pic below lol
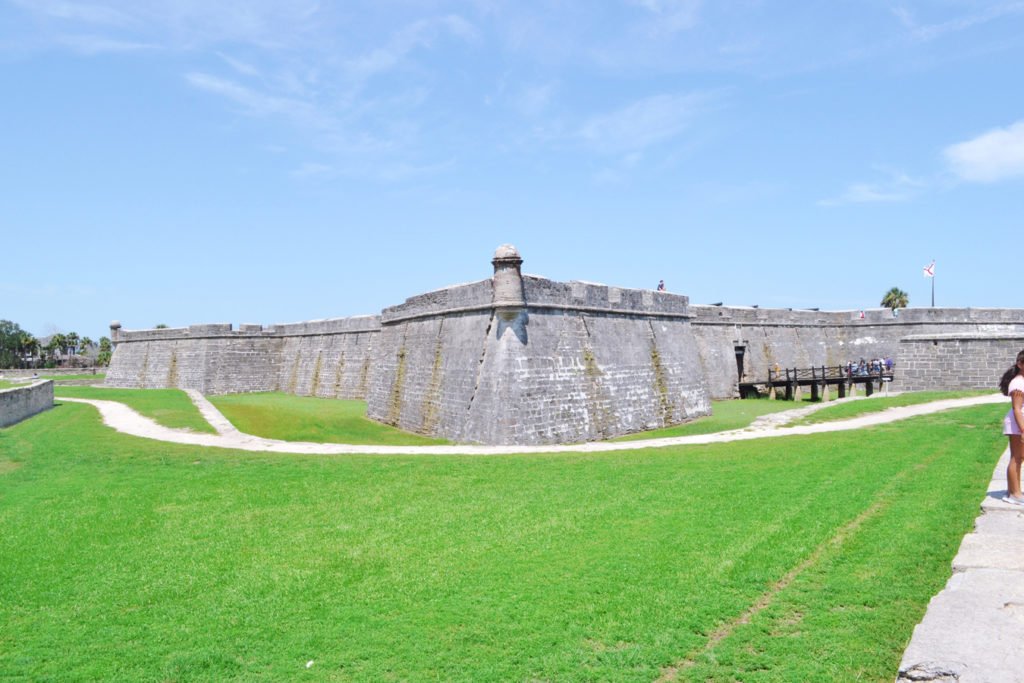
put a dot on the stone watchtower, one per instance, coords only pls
(509, 301)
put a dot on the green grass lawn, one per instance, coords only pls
(303, 418)
(99, 377)
(169, 407)
(847, 409)
(725, 415)
(128, 559)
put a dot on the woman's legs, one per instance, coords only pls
(1013, 469)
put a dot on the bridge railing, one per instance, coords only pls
(825, 373)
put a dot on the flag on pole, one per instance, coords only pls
(929, 270)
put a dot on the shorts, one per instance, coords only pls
(1010, 425)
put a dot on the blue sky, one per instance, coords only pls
(250, 161)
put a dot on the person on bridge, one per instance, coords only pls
(1012, 385)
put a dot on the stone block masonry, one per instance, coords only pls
(519, 359)
(20, 403)
(560, 362)
(957, 361)
(326, 358)
(798, 338)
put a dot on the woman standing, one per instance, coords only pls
(1012, 385)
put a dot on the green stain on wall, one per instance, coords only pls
(172, 372)
(595, 406)
(432, 403)
(145, 368)
(315, 388)
(339, 372)
(661, 386)
(293, 379)
(395, 399)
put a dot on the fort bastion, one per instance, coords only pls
(520, 359)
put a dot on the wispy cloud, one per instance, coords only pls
(644, 122)
(93, 45)
(262, 104)
(926, 32)
(898, 187)
(238, 65)
(995, 155)
(312, 170)
(77, 11)
(421, 33)
(672, 16)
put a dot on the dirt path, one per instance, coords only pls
(122, 418)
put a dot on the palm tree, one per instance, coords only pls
(71, 340)
(84, 345)
(27, 348)
(895, 298)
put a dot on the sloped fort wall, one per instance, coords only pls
(325, 358)
(525, 360)
(576, 362)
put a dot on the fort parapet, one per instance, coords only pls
(520, 359)
(325, 358)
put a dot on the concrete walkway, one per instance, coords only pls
(972, 630)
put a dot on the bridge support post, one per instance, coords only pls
(798, 394)
(869, 387)
(842, 389)
(824, 393)
(771, 392)
(789, 391)
(815, 394)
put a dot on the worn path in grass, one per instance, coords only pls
(125, 420)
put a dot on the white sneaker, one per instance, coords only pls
(1013, 501)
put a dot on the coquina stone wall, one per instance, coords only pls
(22, 402)
(957, 361)
(326, 358)
(526, 360)
(578, 362)
(795, 338)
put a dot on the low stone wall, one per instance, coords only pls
(23, 402)
(956, 361)
(8, 373)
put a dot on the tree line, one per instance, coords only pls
(21, 349)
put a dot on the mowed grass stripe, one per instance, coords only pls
(124, 558)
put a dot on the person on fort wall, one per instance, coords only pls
(661, 285)
(1012, 385)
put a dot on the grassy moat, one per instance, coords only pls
(129, 559)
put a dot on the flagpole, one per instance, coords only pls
(933, 291)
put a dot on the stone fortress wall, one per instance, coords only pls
(569, 362)
(803, 338)
(325, 358)
(524, 360)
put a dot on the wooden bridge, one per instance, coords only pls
(819, 379)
